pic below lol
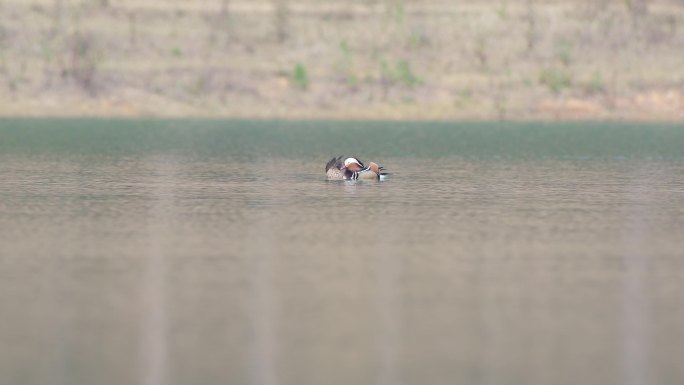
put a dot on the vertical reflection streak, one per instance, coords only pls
(262, 347)
(154, 344)
(154, 323)
(389, 311)
(261, 255)
(635, 349)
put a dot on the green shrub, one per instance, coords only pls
(401, 73)
(396, 10)
(300, 78)
(556, 79)
(405, 75)
(596, 84)
(502, 11)
(564, 53)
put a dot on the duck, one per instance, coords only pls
(341, 168)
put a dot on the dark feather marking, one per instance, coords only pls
(330, 164)
(336, 162)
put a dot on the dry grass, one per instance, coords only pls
(581, 59)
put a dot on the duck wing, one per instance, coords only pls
(337, 163)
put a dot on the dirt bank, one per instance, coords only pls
(367, 59)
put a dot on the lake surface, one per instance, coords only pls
(210, 252)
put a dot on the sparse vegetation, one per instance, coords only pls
(515, 59)
(346, 66)
(564, 53)
(132, 29)
(84, 61)
(405, 75)
(531, 26)
(502, 10)
(557, 79)
(3, 49)
(399, 74)
(396, 10)
(481, 51)
(300, 77)
(596, 84)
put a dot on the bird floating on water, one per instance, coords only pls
(341, 168)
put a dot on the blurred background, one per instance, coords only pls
(378, 59)
(165, 216)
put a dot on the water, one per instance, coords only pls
(209, 252)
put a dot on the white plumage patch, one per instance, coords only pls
(349, 161)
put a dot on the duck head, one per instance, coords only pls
(353, 164)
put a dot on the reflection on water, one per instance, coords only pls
(209, 259)
(636, 349)
(155, 326)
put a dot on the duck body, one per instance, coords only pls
(341, 168)
(335, 169)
